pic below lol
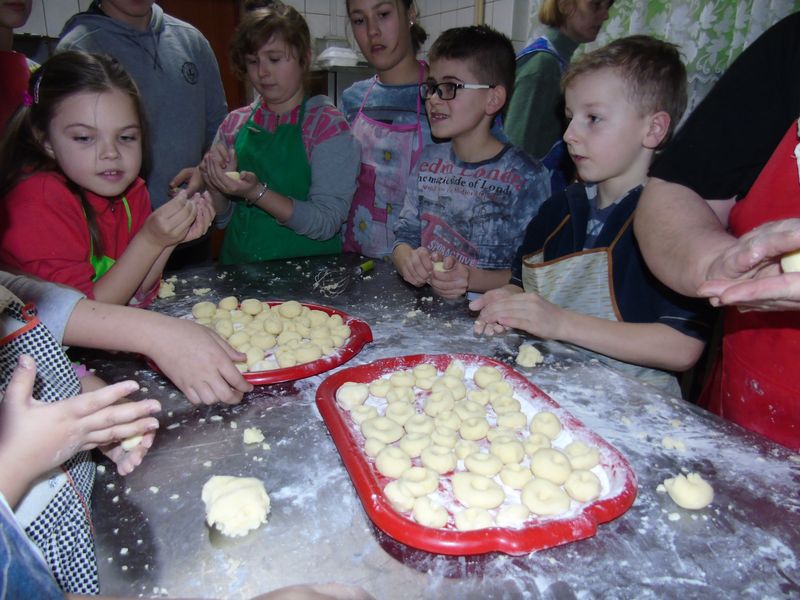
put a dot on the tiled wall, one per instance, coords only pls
(329, 18)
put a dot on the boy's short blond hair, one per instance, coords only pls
(652, 70)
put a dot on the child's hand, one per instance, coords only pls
(204, 218)
(38, 436)
(191, 178)
(415, 265)
(453, 280)
(168, 225)
(128, 460)
(218, 163)
(528, 312)
(487, 305)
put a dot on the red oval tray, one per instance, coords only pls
(360, 335)
(369, 483)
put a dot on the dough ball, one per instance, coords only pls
(513, 515)
(130, 443)
(474, 428)
(251, 306)
(308, 353)
(392, 462)
(319, 333)
(438, 458)
(455, 385)
(449, 419)
(265, 341)
(424, 371)
(515, 475)
(419, 424)
(456, 369)
(439, 402)
(690, 491)
(512, 420)
(472, 519)
(372, 447)
(419, 481)
(351, 394)
(398, 497)
(403, 395)
(290, 309)
(240, 318)
(547, 423)
(583, 486)
(477, 491)
(288, 336)
(500, 432)
(229, 303)
(485, 375)
(204, 310)
(545, 498)
(484, 464)
(338, 341)
(362, 412)
(302, 329)
(318, 318)
(272, 325)
(444, 437)
(424, 383)
(254, 355)
(467, 409)
(285, 358)
(413, 443)
(235, 175)
(535, 441)
(428, 513)
(438, 266)
(479, 396)
(235, 505)
(581, 456)
(379, 388)
(239, 338)
(464, 448)
(790, 262)
(506, 404)
(224, 327)
(497, 389)
(399, 412)
(507, 449)
(382, 429)
(340, 331)
(252, 435)
(529, 356)
(334, 320)
(550, 464)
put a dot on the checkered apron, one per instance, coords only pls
(55, 512)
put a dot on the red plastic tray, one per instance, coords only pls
(546, 533)
(360, 335)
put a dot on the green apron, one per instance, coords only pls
(279, 160)
(102, 264)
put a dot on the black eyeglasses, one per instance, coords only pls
(447, 89)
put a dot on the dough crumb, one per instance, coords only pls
(153, 489)
(201, 291)
(671, 443)
(529, 356)
(166, 289)
(215, 418)
(673, 516)
(101, 469)
(252, 435)
(207, 463)
(234, 425)
(675, 423)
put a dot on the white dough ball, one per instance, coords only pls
(690, 491)
(251, 306)
(400, 412)
(472, 519)
(224, 327)
(413, 443)
(545, 498)
(398, 497)
(529, 356)
(392, 462)
(547, 423)
(477, 491)
(428, 513)
(204, 310)
(550, 464)
(485, 375)
(583, 486)
(513, 515)
(419, 481)
(418, 423)
(515, 475)
(290, 309)
(351, 394)
(229, 303)
(379, 388)
(362, 412)
(484, 464)
(373, 446)
(582, 456)
(438, 458)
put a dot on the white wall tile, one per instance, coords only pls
(36, 24)
(319, 25)
(503, 16)
(342, 27)
(465, 3)
(341, 8)
(298, 5)
(465, 16)
(84, 4)
(430, 7)
(519, 29)
(449, 20)
(448, 5)
(488, 11)
(57, 12)
(318, 7)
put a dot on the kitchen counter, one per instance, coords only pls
(152, 538)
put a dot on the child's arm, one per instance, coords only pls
(415, 265)
(38, 436)
(649, 344)
(197, 360)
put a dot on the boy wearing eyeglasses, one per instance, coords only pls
(579, 276)
(469, 199)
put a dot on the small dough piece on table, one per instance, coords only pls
(130, 443)
(477, 491)
(252, 435)
(428, 513)
(512, 420)
(485, 375)
(402, 379)
(166, 289)
(351, 394)
(290, 309)
(464, 448)
(444, 436)
(229, 303)
(419, 424)
(581, 456)
(690, 491)
(529, 356)
(372, 447)
(235, 505)
(515, 475)
(535, 441)
(204, 310)
(583, 486)
(398, 497)
(547, 423)
(449, 419)
(399, 412)
(251, 306)
(513, 515)
(474, 428)
(472, 519)
(790, 262)
(380, 387)
(413, 443)
(550, 464)
(438, 266)
(419, 481)
(439, 459)
(382, 429)
(507, 449)
(545, 498)
(392, 462)
(361, 413)
(484, 464)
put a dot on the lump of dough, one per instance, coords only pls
(285, 357)
(372, 447)
(361, 413)
(307, 353)
(438, 266)
(382, 429)
(581, 456)
(439, 402)
(204, 310)
(512, 420)
(379, 388)
(224, 327)
(485, 375)
(529, 356)
(464, 448)
(512, 515)
(690, 491)
(444, 436)
(507, 449)
(424, 371)
(474, 428)
(456, 369)
(515, 475)
(392, 462)
(477, 491)
(467, 409)
(535, 441)
(482, 463)
(449, 382)
(547, 423)
(550, 464)
(290, 309)
(473, 518)
(419, 424)
(545, 498)
(506, 404)
(401, 394)
(235, 505)
(398, 497)
(428, 513)
(419, 481)
(130, 443)
(438, 458)
(252, 435)
(399, 412)
(351, 394)
(413, 443)
(449, 419)
(790, 262)
(229, 303)
(235, 175)
(251, 306)
(583, 486)
(402, 379)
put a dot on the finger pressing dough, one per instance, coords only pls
(130, 443)
(235, 505)
(545, 498)
(690, 491)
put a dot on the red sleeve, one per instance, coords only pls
(46, 234)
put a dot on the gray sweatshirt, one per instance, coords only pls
(178, 78)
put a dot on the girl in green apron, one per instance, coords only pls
(282, 171)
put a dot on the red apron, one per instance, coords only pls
(756, 382)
